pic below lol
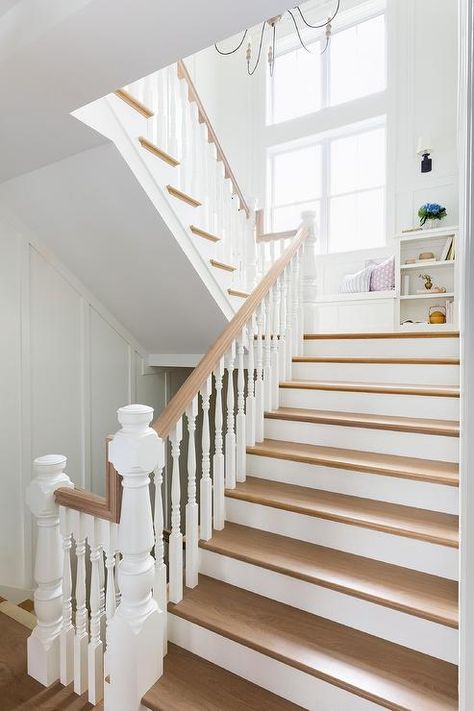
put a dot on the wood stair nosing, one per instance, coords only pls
(222, 265)
(134, 103)
(191, 683)
(344, 335)
(158, 152)
(203, 233)
(371, 360)
(420, 594)
(237, 292)
(380, 671)
(184, 197)
(393, 465)
(405, 521)
(416, 425)
(378, 388)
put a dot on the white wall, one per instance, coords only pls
(67, 366)
(421, 99)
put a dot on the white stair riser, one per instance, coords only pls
(378, 373)
(389, 548)
(394, 490)
(385, 347)
(441, 408)
(290, 683)
(407, 444)
(408, 630)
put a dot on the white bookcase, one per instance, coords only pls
(411, 304)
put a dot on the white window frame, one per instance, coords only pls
(324, 141)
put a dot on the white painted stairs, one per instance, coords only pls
(334, 581)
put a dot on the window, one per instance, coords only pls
(342, 178)
(334, 160)
(352, 67)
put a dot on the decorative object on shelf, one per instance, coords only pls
(427, 280)
(437, 314)
(273, 23)
(426, 257)
(423, 149)
(406, 285)
(429, 213)
(411, 260)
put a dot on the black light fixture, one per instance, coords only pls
(424, 151)
(272, 23)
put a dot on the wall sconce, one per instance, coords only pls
(424, 150)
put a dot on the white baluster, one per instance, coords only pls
(252, 252)
(192, 510)
(159, 585)
(186, 151)
(196, 152)
(66, 638)
(250, 404)
(259, 382)
(230, 459)
(118, 595)
(81, 638)
(300, 319)
(240, 417)
(176, 536)
(204, 209)
(102, 594)
(206, 482)
(95, 661)
(173, 147)
(267, 375)
(309, 275)
(218, 460)
(283, 324)
(43, 643)
(276, 346)
(136, 650)
(110, 547)
(213, 189)
(290, 338)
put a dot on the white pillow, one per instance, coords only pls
(358, 282)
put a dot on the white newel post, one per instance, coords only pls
(135, 655)
(43, 643)
(310, 284)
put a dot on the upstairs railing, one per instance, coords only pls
(179, 126)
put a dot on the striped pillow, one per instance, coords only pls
(358, 282)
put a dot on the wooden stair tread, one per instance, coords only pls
(377, 670)
(380, 334)
(203, 233)
(190, 683)
(427, 596)
(381, 388)
(370, 462)
(157, 151)
(444, 360)
(431, 526)
(419, 425)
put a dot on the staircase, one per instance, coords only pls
(334, 581)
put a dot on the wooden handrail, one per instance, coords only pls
(208, 363)
(276, 236)
(204, 118)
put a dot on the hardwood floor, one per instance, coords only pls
(18, 691)
(354, 460)
(410, 591)
(405, 521)
(385, 673)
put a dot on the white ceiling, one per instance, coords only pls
(56, 56)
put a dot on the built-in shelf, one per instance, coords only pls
(422, 235)
(437, 295)
(417, 265)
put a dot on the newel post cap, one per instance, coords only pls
(308, 218)
(49, 475)
(136, 448)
